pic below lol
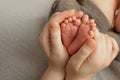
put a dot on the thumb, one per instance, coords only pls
(115, 48)
(83, 53)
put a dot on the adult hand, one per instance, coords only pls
(90, 59)
(51, 41)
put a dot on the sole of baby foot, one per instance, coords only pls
(69, 29)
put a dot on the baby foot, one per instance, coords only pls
(69, 29)
(85, 31)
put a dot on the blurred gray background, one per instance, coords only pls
(21, 21)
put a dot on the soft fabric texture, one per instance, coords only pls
(87, 6)
(21, 57)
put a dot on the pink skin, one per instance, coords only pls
(75, 32)
(69, 29)
(117, 21)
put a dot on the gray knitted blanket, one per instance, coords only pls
(88, 7)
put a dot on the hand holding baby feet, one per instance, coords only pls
(51, 42)
(50, 39)
(76, 70)
(89, 59)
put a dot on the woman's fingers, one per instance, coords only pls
(85, 51)
(96, 34)
(44, 40)
(54, 22)
(55, 37)
(51, 33)
(60, 16)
